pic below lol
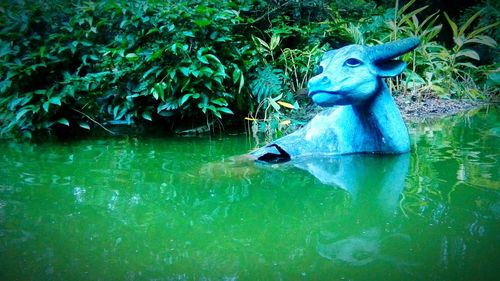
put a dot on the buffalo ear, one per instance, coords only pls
(389, 68)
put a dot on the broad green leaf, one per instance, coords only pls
(55, 100)
(195, 73)
(217, 113)
(275, 40)
(84, 125)
(153, 30)
(63, 121)
(484, 40)
(212, 108)
(263, 43)
(42, 51)
(22, 112)
(173, 48)
(46, 106)
(5, 85)
(184, 98)
(225, 110)
(147, 115)
(184, 70)
(132, 57)
(214, 58)
(206, 71)
(219, 101)
(188, 34)
(202, 22)
(468, 53)
(201, 57)
(158, 91)
(208, 84)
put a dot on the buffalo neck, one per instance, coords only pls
(382, 118)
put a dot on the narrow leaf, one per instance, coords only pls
(242, 83)
(452, 25)
(481, 29)
(236, 75)
(469, 22)
(286, 104)
(150, 71)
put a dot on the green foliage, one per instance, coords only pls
(434, 68)
(129, 61)
(267, 83)
(85, 64)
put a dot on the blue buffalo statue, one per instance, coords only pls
(362, 116)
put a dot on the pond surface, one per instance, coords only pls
(129, 208)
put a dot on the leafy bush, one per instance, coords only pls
(123, 61)
(86, 64)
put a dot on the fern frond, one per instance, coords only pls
(268, 82)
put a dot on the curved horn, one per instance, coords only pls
(393, 49)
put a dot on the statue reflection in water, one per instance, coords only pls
(375, 184)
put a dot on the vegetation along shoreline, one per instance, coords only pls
(80, 67)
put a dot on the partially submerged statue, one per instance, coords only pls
(363, 117)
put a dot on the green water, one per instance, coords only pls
(128, 208)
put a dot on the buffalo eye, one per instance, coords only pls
(352, 62)
(318, 70)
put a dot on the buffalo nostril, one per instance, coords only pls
(324, 80)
